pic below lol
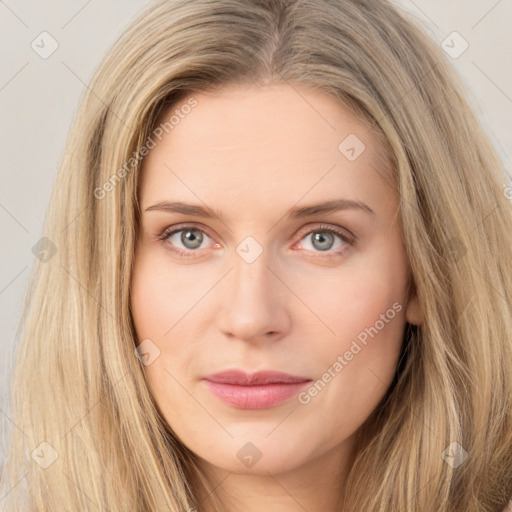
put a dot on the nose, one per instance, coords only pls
(253, 303)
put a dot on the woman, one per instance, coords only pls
(287, 279)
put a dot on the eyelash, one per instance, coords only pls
(347, 238)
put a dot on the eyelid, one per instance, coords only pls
(183, 227)
(343, 233)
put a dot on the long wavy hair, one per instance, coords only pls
(77, 385)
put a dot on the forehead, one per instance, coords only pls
(274, 143)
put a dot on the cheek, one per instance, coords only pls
(354, 370)
(367, 291)
(161, 295)
(363, 308)
(163, 304)
(146, 294)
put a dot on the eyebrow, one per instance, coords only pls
(294, 213)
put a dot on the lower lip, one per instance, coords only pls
(262, 396)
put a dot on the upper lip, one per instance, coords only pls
(241, 378)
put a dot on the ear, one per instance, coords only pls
(413, 312)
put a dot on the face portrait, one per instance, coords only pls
(270, 274)
(274, 273)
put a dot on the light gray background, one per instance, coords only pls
(39, 97)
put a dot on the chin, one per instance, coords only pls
(255, 453)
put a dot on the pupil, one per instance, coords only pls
(325, 240)
(191, 240)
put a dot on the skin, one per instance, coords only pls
(253, 153)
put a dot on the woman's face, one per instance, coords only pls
(287, 262)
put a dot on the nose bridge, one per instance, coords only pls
(251, 282)
(250, 262)
(252, 306)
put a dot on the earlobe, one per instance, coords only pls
(413, 312)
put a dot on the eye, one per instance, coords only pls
(185, 240)
(327, 239)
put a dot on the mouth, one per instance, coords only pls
(260, 390)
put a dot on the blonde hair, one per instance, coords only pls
(77, 384)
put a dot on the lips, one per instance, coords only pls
(260, 390)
